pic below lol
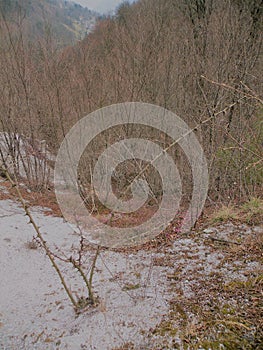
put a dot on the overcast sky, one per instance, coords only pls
(102, 6)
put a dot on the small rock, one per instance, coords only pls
(208, 230)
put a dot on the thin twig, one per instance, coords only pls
(229, 87)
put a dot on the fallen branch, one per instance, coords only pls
(223, 240)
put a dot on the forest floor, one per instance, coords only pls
(201, 290)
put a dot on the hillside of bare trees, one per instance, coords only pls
(201, 59)
(66, 21)
(157, 109)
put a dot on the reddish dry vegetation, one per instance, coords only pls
(45, 198)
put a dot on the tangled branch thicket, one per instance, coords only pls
(164, 52)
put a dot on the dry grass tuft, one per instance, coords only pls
(252, 211)
(224, 214)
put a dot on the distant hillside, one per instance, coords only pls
(64, 19)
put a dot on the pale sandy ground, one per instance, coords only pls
(34, 310)
(36, 314)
